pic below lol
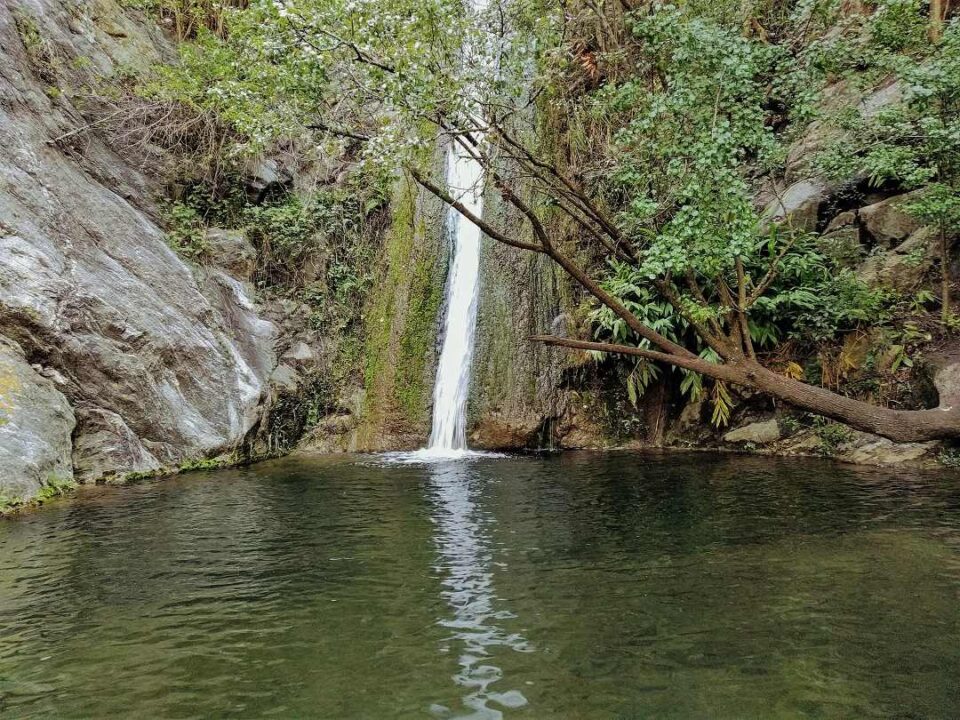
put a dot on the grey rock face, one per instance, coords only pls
(163, 364)
(799, 205)
(35, 426)
(888, 222)
(759, 432)
(107, 446)
(905, 266)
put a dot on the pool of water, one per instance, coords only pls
(575, 586)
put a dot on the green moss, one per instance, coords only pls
(10, 504)
(949, 457)
(215, 463)
(40, 52)
(139, 475)
(401, 322)
(418, 338)
(831, 435)
(53, 486)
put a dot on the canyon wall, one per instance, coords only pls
(118, 357)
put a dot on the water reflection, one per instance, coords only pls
(465, 563)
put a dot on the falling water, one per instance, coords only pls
(464, 180)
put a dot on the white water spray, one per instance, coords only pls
(464, 181)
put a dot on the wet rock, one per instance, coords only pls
(758, 433)
(174, 358)
(106, 446)
(35, 427)
(867, 449)
(501, 433)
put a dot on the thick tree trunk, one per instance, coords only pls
(945, 310)
(898, 425)
(937, 13)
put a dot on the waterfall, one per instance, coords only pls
(465, 182)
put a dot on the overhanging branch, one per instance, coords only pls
(697, 364)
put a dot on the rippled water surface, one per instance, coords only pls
(575, 586)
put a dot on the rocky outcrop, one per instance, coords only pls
(35, 425)
(495, 433)
(163, 362)
(865, 449)
(888, 222)
(758, 433)
(799, 205)
(903, 267)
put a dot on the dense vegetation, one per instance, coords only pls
(632, 141)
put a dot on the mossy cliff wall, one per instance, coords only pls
(402, 324)
(525, 394)
(522, 394)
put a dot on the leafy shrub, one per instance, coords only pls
(186, 231)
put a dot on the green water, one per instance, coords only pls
(573, 586)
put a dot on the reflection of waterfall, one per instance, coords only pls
(465, 561)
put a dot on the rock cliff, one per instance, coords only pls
(160, 363)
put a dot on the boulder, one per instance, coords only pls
(36, 423)
(945, 369)
(867, 449)
(285, 377)
(263, 173)
(904, 267)
(842, 245)
(300, 353)
(691, 417)
(842, 220)
(758, 433)
(887, 222)
(799, 205)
